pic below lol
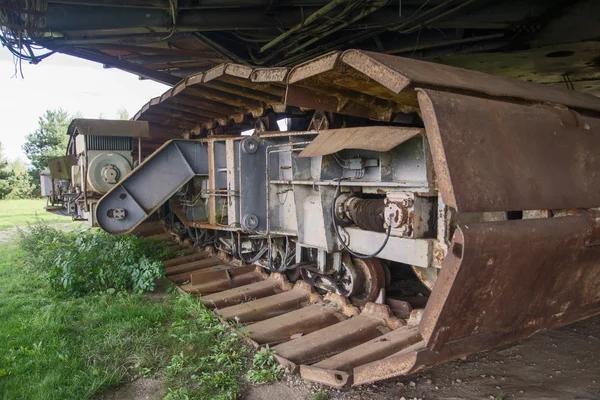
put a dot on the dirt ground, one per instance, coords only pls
(559, 364)
(141, 389)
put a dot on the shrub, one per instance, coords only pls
(85, 261)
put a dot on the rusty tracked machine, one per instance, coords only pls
(382, 215)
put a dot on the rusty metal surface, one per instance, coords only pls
(375, 349)
(376, 85)
(397, 73)
(354, 82)
(186, 259)
(223, 93)
(502, 281)
(60, 167)
(107, 127)
(491, 155)
(323, 84)
(193, 265)
(185, 275)
(400, 308)
(258, 290)
(509, 279)
(221, 271)
(376, 138)
(303, 326)
(218, 285)
(404, 362)
(275, 75)
(375, 320)
(294, 324)
(337, 371)
(272, 306)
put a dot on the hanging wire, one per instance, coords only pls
(22, 23)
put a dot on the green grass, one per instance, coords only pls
(20, 212)
(58, 346)
(319, 396)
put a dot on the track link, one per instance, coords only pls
(324, 338)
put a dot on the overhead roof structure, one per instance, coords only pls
(545, 41)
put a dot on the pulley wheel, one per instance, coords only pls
(370, 280)
(249, 145)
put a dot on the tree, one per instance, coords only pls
(48, 141)
(5, 175)
(22, 185)
(122, 113)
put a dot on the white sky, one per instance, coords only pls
(66, 82)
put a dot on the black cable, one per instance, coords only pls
(335, 227)
(254, 259)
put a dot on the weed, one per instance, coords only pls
(320, 396)
(178, 394)
(264, 367)
(176, 365)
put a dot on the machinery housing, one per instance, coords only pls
(368, 215)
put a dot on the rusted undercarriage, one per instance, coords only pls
(328, 340)
(509, 169)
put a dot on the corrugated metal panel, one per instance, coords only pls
(116, 143)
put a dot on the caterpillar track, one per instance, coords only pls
(409, 213)
(323, 337)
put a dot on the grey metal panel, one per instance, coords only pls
(119, 198)
(409, 251)
(253, 197)
(159, 178)
(408, 163)
(196, 153)
(150, 185)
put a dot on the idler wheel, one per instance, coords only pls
(370, 279)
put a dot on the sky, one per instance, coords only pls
(75, 85)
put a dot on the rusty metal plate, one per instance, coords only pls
(317, 65)
(275, 75)
(491, 155)
(504, 281)
(334, 339)
(108, 127)
(222, 93)
(376, 138)
(237, 70)
(60, 167)
(397, 73)
(325, 84)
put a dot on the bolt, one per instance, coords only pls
(438, 255)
